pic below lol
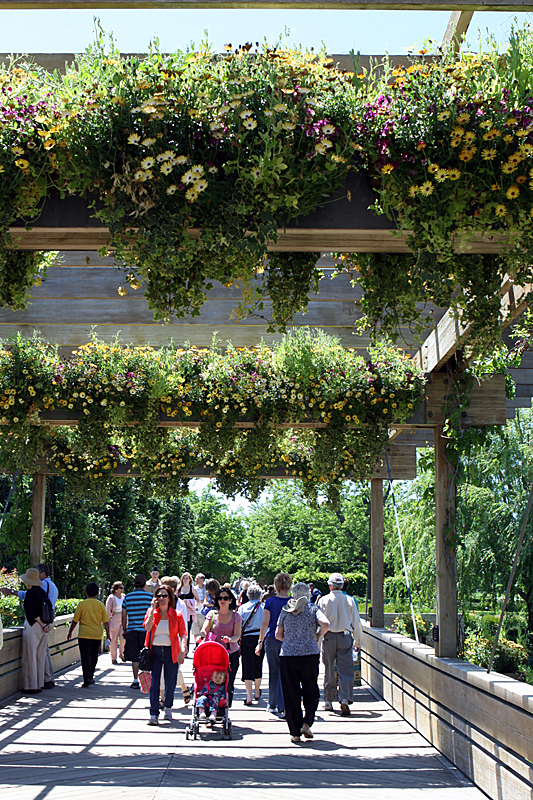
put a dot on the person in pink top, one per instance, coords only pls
(113, 607)
(224, 626)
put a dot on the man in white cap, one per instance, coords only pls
(344, 631)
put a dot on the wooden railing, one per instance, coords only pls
(483, 723)
(63, 654)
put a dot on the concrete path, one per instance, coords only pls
(94, 744)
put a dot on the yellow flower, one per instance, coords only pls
(387, 168)
(166, 169)
(464, 117)
(413, 190)
(426, 188)
(466, 154)
(134, 138)
(500, 210)
(508, 138)
(469, 137)
(485, 124)
(49, 144)
(509, 168)
(433, 168)
(181, 160)
(139, 175)
(148, 142)
(491, 134)
(1, 168)
(443, 115)
(147, 162)
(188, 177)
(526, 149)
(441, 175)
(168, 155)
(249, 124)
(191, 194)
(122, 291)
(511, 122)
(512, 192)
(328, 129)
(201, 185)
(454, 174)
(21, 163)
(280, 107)
(456, 141)
(488, 155)
(496, 186)
(197, 171)
(457, 131)
(18, 151)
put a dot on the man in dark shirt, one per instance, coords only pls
(315, 595)
(34, 635)
(134, 608)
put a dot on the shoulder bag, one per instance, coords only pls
(243, 628)
(146, 658)
(210, 636)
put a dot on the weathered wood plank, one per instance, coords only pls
(332, 5)
(487, 400)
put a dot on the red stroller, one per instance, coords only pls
(208, 657)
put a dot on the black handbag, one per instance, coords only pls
(146, 658)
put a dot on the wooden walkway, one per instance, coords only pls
(94, 744)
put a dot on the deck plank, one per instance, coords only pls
(96, 741)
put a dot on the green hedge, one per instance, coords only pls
(12, 612)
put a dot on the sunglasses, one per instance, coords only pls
(225, 597)
(161, 596)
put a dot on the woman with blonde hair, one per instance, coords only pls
(187, 592)
(113, 607)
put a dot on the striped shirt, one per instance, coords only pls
(136, 604)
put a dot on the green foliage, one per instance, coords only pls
(509, 657)
(11, 611)
(404, 624)
(193, 161)
(120, 395)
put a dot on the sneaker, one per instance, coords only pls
(153, 720)
(135, 685)
(168, 714)
(306, 731)
(328, 705)
(272, 710)
(201, 713)
(345, 709)
(213, 717)
(295, 739)
(114, 661)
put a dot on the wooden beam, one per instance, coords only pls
(402, 462)
(376, 552)
(512, 6)
(456, 30)
(38, 506)
(449, 335)
(344, 224)
(487, 399)
(446, 562)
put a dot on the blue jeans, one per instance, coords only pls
(162, 660)
(275, 694)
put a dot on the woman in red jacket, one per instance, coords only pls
(166, 634)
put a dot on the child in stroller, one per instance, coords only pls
(208, 699)
(210, 667)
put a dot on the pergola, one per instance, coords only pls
(82, 293)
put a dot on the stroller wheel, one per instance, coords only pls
(186, 733)
(229, 732)
(195, 732)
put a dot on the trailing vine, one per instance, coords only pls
(122, 395)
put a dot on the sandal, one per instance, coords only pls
(186, 695)
(258, 697)
(247, 702)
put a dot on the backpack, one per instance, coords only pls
(47, 610)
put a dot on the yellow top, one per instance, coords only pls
(91, 614)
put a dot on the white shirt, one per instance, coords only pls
(162, 635)
(342, 613)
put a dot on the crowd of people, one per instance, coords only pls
(164, 618)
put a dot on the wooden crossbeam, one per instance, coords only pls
(402, 463)
(487, 407)
(331, 5)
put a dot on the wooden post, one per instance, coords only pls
(446, 564)
(38, 507)
(376, 549)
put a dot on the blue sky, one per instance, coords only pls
(30, 31)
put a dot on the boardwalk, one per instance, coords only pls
(94, 744)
